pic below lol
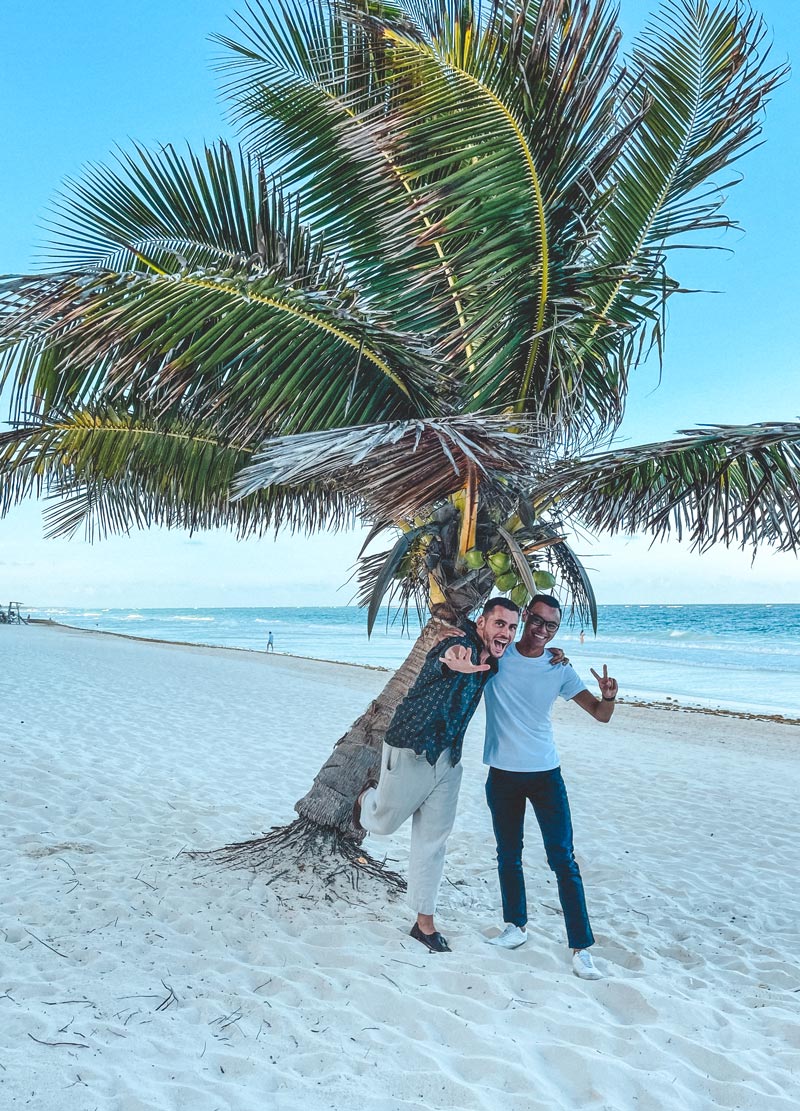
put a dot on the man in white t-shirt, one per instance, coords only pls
(524, 766)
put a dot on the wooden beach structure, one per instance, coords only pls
(12, 615)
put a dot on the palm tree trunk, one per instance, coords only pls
(322, 839)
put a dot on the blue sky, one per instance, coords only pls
(78, 80)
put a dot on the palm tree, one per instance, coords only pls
(414, 295)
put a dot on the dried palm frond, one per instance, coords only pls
(399, 468)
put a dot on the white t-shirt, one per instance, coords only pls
(518, 700)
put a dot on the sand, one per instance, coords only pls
(133, 978)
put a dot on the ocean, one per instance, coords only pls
(735, 657)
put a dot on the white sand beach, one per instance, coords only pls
(133, 978)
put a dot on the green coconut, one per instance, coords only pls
(520, 595)
(544, 580)
(499, 562)
(506, 582)
(404, 567)
(474, 559)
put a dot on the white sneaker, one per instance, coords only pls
(584, 966)
(511, 937)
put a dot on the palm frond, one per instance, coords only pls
(507, 131)
(218, 208)
(396, 469)
(703, 79)
(718, 484)
(420, 114)
(520, 560)
(313, 93)
(381, 577)
(204, 222)
(242, 312)
(204, 342)
(108, 472)
(574, 577)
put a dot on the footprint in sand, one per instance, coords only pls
(678, 953)
(38, 851)
(627, 1005)
(624, 958)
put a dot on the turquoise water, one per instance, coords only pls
(743, 657)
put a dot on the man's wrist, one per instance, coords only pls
(612, 699)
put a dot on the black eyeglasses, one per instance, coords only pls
(540, 623)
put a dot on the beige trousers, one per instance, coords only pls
(408, 786)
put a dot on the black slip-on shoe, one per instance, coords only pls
(435, 942)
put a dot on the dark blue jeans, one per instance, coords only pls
(507, 793)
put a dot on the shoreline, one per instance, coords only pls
(194, 644)
(668, 703)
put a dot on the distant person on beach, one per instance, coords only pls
(270, 643)
(421, 758)
(582, 637)
(524, 767)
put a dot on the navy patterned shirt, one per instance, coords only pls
(435, 713)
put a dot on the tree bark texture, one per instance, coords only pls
(357, 755)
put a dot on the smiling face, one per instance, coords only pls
(541, 625)
(497, 629)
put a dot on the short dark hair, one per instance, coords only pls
(547, 599)
(496, 602)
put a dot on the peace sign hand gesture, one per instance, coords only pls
(459, 658)
(608, 686)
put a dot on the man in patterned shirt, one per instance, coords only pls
(421, 758)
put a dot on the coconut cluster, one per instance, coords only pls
(506, 578)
